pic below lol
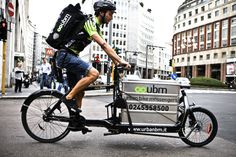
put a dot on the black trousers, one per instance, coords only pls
(18, 85)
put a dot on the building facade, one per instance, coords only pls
(204, 38)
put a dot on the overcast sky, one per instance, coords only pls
(43, 13)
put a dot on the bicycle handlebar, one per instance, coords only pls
(121, 67)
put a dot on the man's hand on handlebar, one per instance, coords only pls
(125, 64)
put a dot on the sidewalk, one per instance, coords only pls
(10, 94)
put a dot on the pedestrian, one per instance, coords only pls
(81, 74)
(19, 74)
(64, 83)
(45, 70)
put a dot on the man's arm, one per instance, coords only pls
(108, 49)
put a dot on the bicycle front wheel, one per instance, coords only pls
(34, 123)
(203, 131)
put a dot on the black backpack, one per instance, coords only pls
(68, 25)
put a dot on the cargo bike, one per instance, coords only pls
(140, 107)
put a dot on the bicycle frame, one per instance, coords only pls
(113, 123)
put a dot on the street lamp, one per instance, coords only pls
(132, 60)
(147, 47)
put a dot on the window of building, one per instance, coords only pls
(203, 8)
(234, 7)
(217, 12)
(178, 18)
(195, 20)
(232, 54)
(215, 55)
(202, 38)
(209, 5)
(224, 43)
(224, 33)
(184, 16)
(208, 56)
(196, 11)
(183, 24)
(202, 29)
(233, 41)
(178, 25)
(233, 31)
(194, 58)
(202, 18)
(189, 22)
(209, 15)
(208, 46)
(202, 46)
(217, 2)
(177, 60)
(225, 10)
(209, 36)
(201, 57)
(190, 14)
(223, 54)
(182, 60)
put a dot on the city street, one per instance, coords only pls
(15, 142)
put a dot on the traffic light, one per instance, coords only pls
(118, 50)
(170, 62)
(97, 59)
(3, 30)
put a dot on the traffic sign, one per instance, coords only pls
(173, 76)
(10, 8)
(49, 52)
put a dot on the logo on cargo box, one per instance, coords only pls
(152, 89)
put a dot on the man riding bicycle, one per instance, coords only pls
(81, 74)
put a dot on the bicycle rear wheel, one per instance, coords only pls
(40, 129)
(205, 128)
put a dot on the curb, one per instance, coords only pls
(24, 96)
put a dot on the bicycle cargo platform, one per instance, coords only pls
(151, 101)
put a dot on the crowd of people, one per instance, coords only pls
(45, 77)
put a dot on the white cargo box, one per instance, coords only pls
(151, 101)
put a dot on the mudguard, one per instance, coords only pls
(39, 93)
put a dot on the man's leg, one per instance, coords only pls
(41, 81)
(20, 85)
(83, 83)
(79, 98)
(16, 85)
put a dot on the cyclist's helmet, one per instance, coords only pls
(103, 5)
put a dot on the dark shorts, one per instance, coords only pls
(75, 67)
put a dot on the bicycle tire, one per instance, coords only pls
(32, 117)
(207, 125)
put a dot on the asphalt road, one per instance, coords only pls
(224, 108)
(14, 141)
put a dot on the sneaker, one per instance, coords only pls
(72, 104)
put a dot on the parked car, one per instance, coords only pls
(135, 76)
(102, 80)
(184, 82)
